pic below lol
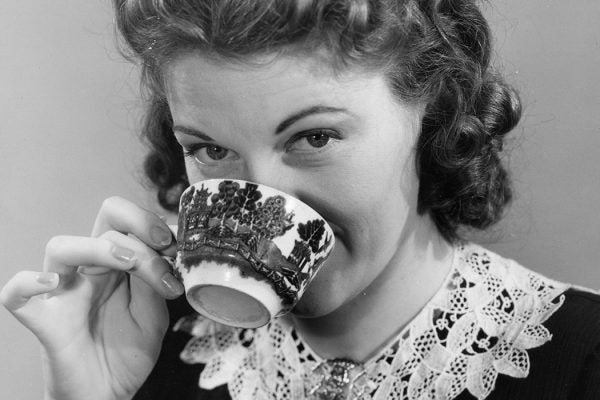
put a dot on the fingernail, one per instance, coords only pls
(123, 254)
(47, 278)
(172, 284)
(161, 236)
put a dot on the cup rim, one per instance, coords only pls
(287, 196)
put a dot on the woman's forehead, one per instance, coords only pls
(194, 79)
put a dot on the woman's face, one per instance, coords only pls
(342, 143)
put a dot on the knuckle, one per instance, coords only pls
(4, 297)
(111, 236)
(55, 245)
(21, 275)
(110, 203)
(150, 218)
(7, 291)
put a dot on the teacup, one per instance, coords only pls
(246, 252)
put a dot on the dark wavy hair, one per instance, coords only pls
(433, 51)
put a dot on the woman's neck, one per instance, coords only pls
(359, 328)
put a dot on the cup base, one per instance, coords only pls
(228, 306)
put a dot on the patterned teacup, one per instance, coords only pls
(246, 252)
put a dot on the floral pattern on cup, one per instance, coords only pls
(262, 235)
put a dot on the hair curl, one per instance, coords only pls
(433, 51)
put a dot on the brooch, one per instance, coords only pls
(338, 379)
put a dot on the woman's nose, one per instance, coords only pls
(284, 178)
(269, 174)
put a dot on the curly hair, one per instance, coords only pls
(433, 51)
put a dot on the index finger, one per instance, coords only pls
(121, 215)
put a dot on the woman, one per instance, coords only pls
(386, 118)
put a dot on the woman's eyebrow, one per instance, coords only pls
(319, 109)
(193, 132)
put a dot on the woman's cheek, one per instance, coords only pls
(331, 286)
(192, 172)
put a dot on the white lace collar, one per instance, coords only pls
(480, 324)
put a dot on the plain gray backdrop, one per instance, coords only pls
(69, 113)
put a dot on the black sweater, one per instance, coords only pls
(566, 368)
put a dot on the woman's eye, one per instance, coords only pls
(318, 140)
(208, 154)
(216, 152)
(311, 140)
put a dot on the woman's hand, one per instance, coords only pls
(98, 308)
